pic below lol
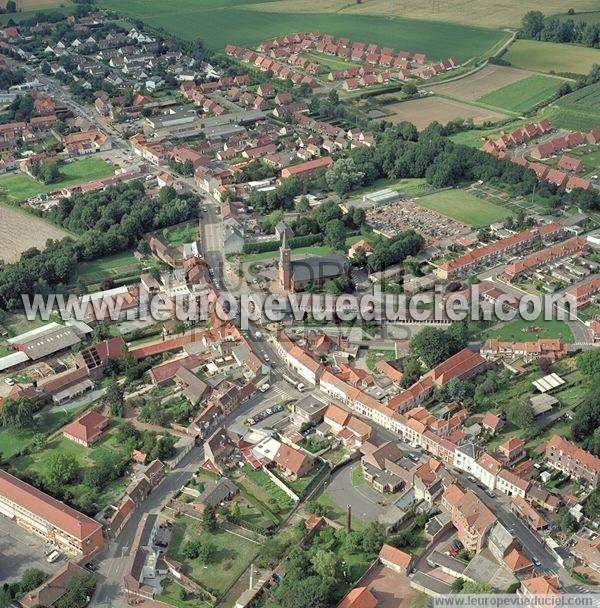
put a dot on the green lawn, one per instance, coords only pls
(464, 207)
(178, 235)
(12, 441)
(20, 186)
(220, 22)
(315, 250)
(375, 355)
(551, 57)
(114, 266)
(524, 331)
(524, 94)
(37, 464)
(233, 554)
(358, 479)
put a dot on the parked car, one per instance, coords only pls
(53, 557)
(265, 387)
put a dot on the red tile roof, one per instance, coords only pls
(56, 513)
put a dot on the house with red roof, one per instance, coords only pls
(86, 429)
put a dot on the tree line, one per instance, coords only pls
(537, 26)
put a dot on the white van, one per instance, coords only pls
(53, 557)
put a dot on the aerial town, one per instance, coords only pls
(272, 168)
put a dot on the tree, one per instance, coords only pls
(11, 6)
(207, 553)
(343, 176)
(591, 508)
(360, 258)
(373, 537)
(79, 592)
(209, 519)
(32, 578)
(18, 413)
(589, 363)
(327, 565)
(335, 234)
(311, 592)
(410, 89)
(435, 345)
(192, 548)
(566, 522)
(235, 513)
(115, 398)
(457, 585)
(520, 413)
(62, 468)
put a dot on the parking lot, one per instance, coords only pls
(20, 550)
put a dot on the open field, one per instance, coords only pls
(178, 235)
(19, 231)
(485, 13)
(233, 554)
(19, 186)
(579, 110)
(464, 207)
(523, 95)
(36, 464)
(421, 112)
(219, 22)
(483, 82)
(551, 57)
(521, 330)
(34, 5)
(111, 267)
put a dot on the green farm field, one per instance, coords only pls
(523, 95)
(221, 22)
(579, 110)
(464, 207)
(551, 57)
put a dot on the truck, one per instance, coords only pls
(298, 385)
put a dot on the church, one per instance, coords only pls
(295, 275)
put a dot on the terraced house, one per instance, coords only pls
(572, 460)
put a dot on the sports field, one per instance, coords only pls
(551, 57)
(523, 95)
(579, 110)
(485, 13)
(220, 22)
(464, 207)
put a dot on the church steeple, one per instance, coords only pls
(285, 264)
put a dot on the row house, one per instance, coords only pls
(153, 152)
(582, 294)
(573, 246)
(493, 252)
(550, 348)
(298, 360)
(572, 460)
